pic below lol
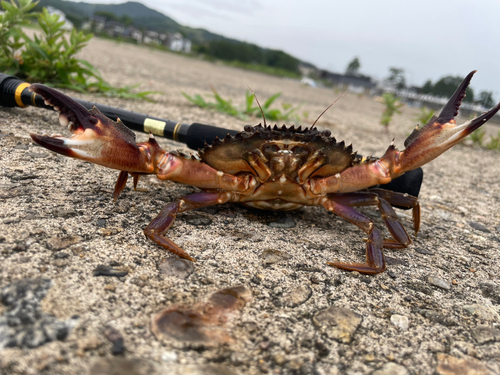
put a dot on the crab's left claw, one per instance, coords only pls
(95, 137)
(439, 134)
(422, 146)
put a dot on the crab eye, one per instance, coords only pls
(299, 150)
(270, 149)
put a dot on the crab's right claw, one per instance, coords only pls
(95, 137)
(439, 134)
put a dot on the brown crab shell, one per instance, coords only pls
(230, 154)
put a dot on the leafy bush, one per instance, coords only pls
(425, 115)
(226, 106)
(392, 106)
(49, 56)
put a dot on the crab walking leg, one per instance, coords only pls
(375, 262)
(422, 146)
(400, 237)
(159, 226)
(403, 200)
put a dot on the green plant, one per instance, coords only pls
(477, 137)
(49, 56)
(425, 115)
(392, 106)
(226, 106)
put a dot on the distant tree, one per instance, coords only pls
(486, 99)
(353, 67)
(397, 78)
(126, 20)
(427, 87)
(110, 16)
(446, 86)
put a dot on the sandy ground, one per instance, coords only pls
(436, 309)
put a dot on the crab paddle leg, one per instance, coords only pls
(375, 262)
(157, 228)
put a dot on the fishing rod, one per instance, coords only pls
(15, 93)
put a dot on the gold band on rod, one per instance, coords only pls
(19, 91)
(175, 134)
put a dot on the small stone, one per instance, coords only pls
(59, 243)
(485, 334)
(61, 262)
(100, 222)
(20, 246)
(279, 359)
(297, 297)
(127, 366)
(169, 356)
(203, 322)
(478, 226)
(271, 256)
(491, 291)
(116, 338)
(283, 223)
(483, 312)
(438, 283)
(176, 267)
(391, 368)
(337, 323)
(238, 358)
(65, 213)
(198, 220)
(102, 270)
(61, 255)
(110, 287)
(400, 321)
(139, 282)
(421, 250)
(448, 365)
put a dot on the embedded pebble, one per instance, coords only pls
(126, 366)
(100, 222)
(438, 283)
(478, 226)
(421, 250)
(271, 256)
(169, 356)
(116, 338)
(337, 323)
(485, 334)
(284, 223)
(297, 297)
(204, 321)
(103, 270)
(59, 243)
(449, 365)
(176, 267)
(400, 321)
(391, 368)
(65, 213)
(198, 220)
(24, 324)
(483, 312)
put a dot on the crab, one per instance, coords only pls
(270, 168)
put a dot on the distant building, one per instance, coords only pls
(176, 42)
(356, 84)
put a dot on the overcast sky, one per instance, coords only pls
(427, 38)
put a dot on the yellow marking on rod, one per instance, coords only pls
(154, 126)
(19, 91)
(33, 98)
(175, 134)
